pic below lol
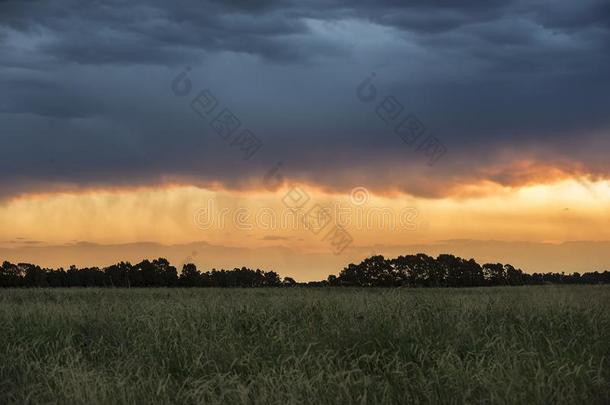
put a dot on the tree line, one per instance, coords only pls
(404, 271)
(156, 273)
(446, 270)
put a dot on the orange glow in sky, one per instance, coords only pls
(562, 211)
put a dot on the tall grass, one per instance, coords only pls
(502, 345)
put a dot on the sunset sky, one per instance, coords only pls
(480, 128)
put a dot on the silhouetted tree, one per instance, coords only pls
(288, 282)
(11, 275)
(117, 275)
(513, 276)
(34, 275)
(271, 279)
(167, 273)
(56, 278)
(494, 274)
(190, 276)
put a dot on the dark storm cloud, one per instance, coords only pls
(85, 96)
(155, 32)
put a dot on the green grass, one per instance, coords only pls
(344, 346)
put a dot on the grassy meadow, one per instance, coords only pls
(542, 345)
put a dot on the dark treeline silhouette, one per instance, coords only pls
(448, 271)
(156, 273)
(404, 271)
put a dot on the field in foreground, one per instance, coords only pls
(504, 345)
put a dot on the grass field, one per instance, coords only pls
(502, 345)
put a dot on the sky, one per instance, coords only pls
(411, 124)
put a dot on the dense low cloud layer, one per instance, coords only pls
(517, 91)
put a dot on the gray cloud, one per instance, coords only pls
(85, 97)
